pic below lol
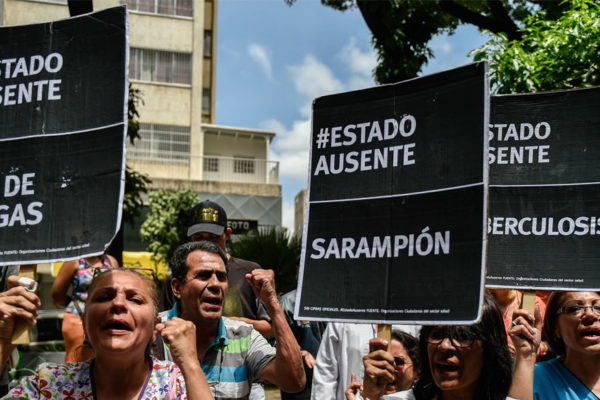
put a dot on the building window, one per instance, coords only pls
(183, 8)
(161, 142)
(211, 164)
(160, 66)
(243, 165)
(207, 44)
(206, 101)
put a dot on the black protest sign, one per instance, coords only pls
(544, 214)
(396, 212)
(63, 76)
(62, 130)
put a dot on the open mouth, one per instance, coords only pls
(590, 333)
(391, 388)
(117, 325)
(215, 301)
(447, 368)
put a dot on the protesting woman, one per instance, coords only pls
(119, 324)
(572, 328)
(78, 274)
(469, 362)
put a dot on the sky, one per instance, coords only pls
(273, 60)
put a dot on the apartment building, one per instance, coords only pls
(173, 62)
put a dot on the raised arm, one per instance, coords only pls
(180, 335)
(62, 282)
(526, 333)
(286, 370)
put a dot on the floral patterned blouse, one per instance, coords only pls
(72, 381)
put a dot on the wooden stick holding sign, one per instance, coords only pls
(22, 332)
(384, 331)
(528, 301)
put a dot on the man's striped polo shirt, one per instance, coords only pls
(234, 359)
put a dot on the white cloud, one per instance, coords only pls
(290, 148)
(312, 78)
(441, 45)
(360, 63)
(260, 55)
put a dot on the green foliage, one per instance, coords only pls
(135, 183)
(559, 54)
(165, 227)
(402, 29)
(272, 250)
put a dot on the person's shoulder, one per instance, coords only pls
(403, 395)
(289, 296)
(164, 315)
(237, 328)
(53, 378)
(549, 364)
(66, 370)
(164, 365)
(241, 332)
(549, 370)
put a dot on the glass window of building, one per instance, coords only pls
(242, 165)
(160, 66)
(211, 164)
(206, 101)
(207, 44)
(182, 8)
(161, 142)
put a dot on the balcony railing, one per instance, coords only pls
(205, 168)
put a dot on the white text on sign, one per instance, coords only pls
(529, 154)
(365, 133)
(20, 214)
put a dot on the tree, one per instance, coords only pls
(402, 29)
(272, 249)
(551, 55)
(165, 227)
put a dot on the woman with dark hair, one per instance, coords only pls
(119, 323)
(467, 362)
(407, 365)
(572, 329)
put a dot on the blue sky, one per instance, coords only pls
(273, 60)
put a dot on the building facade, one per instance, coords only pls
(173, 64)
(300, 202)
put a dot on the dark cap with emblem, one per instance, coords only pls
(207, 216)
